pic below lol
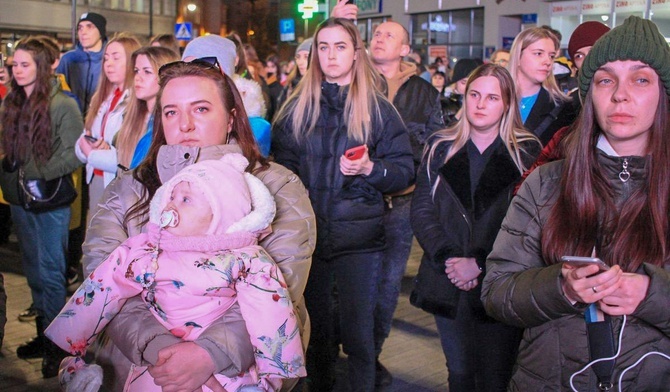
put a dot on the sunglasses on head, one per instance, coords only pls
(210, 62)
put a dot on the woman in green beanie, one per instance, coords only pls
(609, 199)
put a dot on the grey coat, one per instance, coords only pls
(520, 289)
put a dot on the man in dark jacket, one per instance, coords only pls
(418, 104)
(82, 65)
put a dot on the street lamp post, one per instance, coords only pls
(250, 30)
(151, 18)
(74, 22)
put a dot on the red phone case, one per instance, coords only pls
(355, 153)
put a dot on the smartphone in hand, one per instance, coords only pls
(578, 261)
(355, 153)
(90, 139)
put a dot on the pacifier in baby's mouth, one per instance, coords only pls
(169, 218)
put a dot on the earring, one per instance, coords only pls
(228, 138)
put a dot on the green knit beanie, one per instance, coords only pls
(636, 39)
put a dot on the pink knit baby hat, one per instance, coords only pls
(224, 184)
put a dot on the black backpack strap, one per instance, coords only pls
(551, 117)
(601, 345)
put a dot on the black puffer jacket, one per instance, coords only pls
(349, 209)
(456, 223)
(450, 106)
(418, 103)
(543, 109)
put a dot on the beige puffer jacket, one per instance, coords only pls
(138, 335)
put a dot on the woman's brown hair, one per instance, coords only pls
(585, 216)
(168, 41)
(135, 118)
(147, 172)
(25, 119)
(104, 89)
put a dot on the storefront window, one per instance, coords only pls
(462, 26)
(567, 15)
(478, 25)
(169, 7)
(419, 30)
(625, 8)
(440, 27)
(660, 14)
(459, 34)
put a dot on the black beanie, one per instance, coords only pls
(463, 68)
(636, 39)
(98, 20)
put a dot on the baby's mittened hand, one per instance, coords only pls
(76, 375)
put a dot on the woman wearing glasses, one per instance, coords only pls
(199, 116)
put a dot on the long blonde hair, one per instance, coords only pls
(521, 42)
(104, 89)
(303, 107)
(511, 128)
(134, 121)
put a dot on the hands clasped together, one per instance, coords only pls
(463, 272)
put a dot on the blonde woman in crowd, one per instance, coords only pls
(95, 146)
(336, 107)
(543, 106)
(464, 186)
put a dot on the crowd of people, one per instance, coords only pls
(251, 217)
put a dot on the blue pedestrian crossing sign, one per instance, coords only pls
(286, 30)
(183, 31)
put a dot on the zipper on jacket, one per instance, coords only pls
(624, 175)
(459, 206)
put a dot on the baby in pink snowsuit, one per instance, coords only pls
(199, 256)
